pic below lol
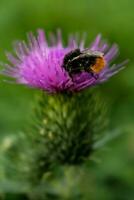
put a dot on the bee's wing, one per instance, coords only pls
(87, 51)
(92, 53)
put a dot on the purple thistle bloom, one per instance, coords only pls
(40, 65)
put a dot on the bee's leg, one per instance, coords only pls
(69, 71)
(71, 76)
(94, 75)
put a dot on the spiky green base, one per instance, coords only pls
(66, 127)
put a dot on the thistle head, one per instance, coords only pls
(57, 68)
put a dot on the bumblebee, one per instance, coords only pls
(87, 60)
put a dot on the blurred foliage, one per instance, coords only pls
(113, 177)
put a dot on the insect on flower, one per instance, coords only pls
(54, 68)
(87, 60)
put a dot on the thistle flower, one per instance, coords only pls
(40, 65)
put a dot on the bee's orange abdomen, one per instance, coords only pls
(99, 65)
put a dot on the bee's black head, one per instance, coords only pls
(71, 55)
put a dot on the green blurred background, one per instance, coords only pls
(113, 177)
